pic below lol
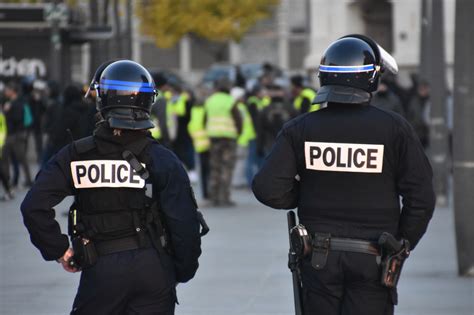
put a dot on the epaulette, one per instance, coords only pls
(84, 145)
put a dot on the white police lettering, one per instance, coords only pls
(105, 173)
(344, 157)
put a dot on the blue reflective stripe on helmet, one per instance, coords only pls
(127, 83)
(127, 88)
(346, 69)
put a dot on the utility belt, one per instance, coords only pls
(87, 252)
(121, 244)
(148, 231)
(390, 252)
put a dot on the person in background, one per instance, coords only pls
(303, 96)
(4, 173)
(419, 113)
(38, 107)
(384, 98)
(201, 143)
(249, 131)
(256, 102)
(162, 113)
(271, 120)
(15, 143)
(181, 102)
(26, 87)
(72, 122)
(51, 115)
(239, 179)
(240, 80)
(223, 126)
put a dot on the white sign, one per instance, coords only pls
(105, 173)
(344, 157)
(12, 67)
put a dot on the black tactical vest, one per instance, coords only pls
(110, 196)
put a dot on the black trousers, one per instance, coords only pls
(349, 284)
(15, 149)
(128, 282)
(184, 150)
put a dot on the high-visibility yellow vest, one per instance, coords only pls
(170, 122)
(178, 104)
(248, 130)
(260, 102)
(155, 131)
(220, 123)
(197, 129)
(310, 95)
(167, 95)
(264, 102)
(3, 131)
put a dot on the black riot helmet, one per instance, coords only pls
(350, 70)
(125, 93)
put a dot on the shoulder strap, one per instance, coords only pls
(135, 164)
(143, 155)
(84, 145)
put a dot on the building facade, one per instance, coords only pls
(395, 25)
(298, 32)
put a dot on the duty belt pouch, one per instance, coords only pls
(321, 243)
(85, 253)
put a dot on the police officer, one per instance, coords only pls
(131, 268)
(345, 167)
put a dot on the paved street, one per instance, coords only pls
(243, 268)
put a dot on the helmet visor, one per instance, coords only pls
(387, 61)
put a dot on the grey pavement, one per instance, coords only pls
(243, 268)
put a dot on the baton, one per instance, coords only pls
(294, 268)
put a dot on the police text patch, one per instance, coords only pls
(344, 157)
(105, 173)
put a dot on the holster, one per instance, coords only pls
(394, 254)
(320, 244)
(392, 268)
(85, 253)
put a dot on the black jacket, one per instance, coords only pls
(271, 120)
(357, 197)
(170, 183)
(15, 116)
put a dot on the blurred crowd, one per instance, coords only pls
(221, 134)
(41, 113)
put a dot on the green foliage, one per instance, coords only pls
(167, 21)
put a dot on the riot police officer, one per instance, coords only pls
(134, 218)
(345, 168)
